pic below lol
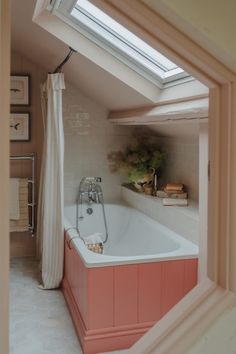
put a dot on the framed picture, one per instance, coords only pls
(20, 126)
(20, 90)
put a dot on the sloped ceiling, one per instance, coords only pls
(209, 23)
(45, 50)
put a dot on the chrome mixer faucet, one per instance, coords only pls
(90, 191)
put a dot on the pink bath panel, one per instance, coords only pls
(172, 280)
(149, 290)
(190, 274)
(113, 306)
(126, 295)
(101, 297)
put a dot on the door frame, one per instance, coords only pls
(4, 172)
(217, 291)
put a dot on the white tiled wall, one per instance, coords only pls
(89, 137)
(182, 163)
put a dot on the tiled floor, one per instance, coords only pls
(39, 320)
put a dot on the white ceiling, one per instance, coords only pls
(47, 51)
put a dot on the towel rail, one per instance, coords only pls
(31, 180)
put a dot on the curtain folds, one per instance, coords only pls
(51, 190)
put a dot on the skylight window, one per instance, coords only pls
(120, 42)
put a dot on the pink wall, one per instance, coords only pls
(112, 307)
(21, 243)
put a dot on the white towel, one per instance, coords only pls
(174, 202)
(22, 224)
(14, 199)
(93, 239)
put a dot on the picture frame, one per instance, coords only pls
(20, 127)
(20, 90)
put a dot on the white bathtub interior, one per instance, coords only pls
(133, 237)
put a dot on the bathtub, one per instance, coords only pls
(115, 297)
(133, 237)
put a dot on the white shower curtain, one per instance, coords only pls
(51, 195)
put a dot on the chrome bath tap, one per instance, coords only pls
(90, 191)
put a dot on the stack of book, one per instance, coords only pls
(173, 194)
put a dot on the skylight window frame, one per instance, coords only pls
(121, 38)
(87, 27)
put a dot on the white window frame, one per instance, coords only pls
(86, 27)
(190, 318)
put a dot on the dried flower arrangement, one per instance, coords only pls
(141, 160)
